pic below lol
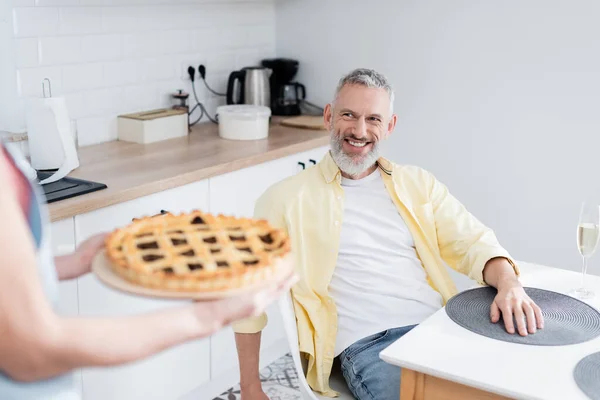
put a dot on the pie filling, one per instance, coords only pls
(195, 246)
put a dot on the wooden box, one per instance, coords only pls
(152, 126)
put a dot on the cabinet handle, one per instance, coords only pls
(302, 164)
(313, 161)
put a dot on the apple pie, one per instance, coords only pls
(198, 251)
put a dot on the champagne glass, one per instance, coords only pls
(588, 231)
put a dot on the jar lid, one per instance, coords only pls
(244, 111)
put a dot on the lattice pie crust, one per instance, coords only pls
(198, 251)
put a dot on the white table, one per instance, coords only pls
(441, 360)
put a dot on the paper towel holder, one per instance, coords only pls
(44, 88)
(50, 136)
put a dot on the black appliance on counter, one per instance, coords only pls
(66, 187)
(286, 95)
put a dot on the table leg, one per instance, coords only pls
(418, 386)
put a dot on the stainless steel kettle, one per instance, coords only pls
(253, 86)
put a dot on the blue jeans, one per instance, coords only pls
(368, 376)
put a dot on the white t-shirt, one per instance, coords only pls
(379, 282)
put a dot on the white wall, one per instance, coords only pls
(499, 99)
(9, 103)
(110, 57)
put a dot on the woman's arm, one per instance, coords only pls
(37, 344)
(67, 267)
(52, 346)
(79, 262)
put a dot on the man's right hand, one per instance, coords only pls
(253, 392)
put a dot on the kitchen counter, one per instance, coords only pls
(131, 170)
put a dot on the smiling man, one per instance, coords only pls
(371, 240)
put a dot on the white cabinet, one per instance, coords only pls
(169, 374)
(235, 193)
(309, 158)
(63, 242)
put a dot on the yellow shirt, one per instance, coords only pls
(309, 206)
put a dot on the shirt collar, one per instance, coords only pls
(331, 171)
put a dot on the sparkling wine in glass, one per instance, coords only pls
(588, 232)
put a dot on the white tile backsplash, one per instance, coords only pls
(111, 57)
(121, 73)
(158, 68)
(29, 81)
(96, 130)
(34, 21)
(220, 62)
(99, 2)
(102, 47)
(180, 41)
(80, 20)
(60, 50)
(246, 57)
(260, 35)
(142, 44)
(49, 3)
(81, 77)
(120, 19)
(26, 52)
(218, 83)
(139, 97)
(75, 105)
(102, 102)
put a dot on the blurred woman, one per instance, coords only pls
(38, 348)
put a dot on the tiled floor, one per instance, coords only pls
(279, 382)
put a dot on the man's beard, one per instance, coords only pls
(349, 164)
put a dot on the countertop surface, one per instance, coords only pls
(443, 349)
(131, 170)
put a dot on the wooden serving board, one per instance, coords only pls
(102, 269)
(305, 121)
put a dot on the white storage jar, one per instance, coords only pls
(243, 121)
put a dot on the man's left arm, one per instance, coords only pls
(511, 298)
(470, 247)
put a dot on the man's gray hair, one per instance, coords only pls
(369, 78)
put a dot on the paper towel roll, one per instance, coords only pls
(51, 143)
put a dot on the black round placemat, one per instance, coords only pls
(566, 319)
(587, 375)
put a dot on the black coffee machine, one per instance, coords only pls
(286, 96)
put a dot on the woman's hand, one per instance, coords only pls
(214, 315)
(80, 262)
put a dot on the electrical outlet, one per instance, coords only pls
(191, 73)
(184, 62)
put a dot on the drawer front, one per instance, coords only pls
(167, 375)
